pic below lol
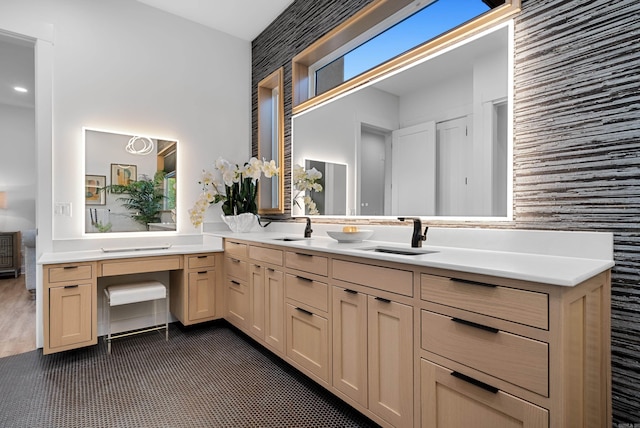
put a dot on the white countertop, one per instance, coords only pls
(142, 251)
(527, 266)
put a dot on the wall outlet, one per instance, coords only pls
(62, 208)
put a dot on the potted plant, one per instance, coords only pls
(144, 198)
(237, 188)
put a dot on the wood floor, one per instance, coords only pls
(17, 317)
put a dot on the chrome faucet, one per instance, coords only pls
(417, 237)
(307, 229)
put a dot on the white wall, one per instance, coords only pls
(123, 66)
(338, 142)
(18, 167)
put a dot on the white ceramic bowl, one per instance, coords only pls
(344, 237)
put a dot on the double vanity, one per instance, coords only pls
(511, 329)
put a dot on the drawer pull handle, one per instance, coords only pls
(305, 255)
(475, 382)
(304, 311)
(70, 267)
(271, 269)
(475, 325)
(235, 282)
(302, 278)
(202, 257)
(234, 261)
(468, 281)
(71, 286)
(202, 272)
(382, 299)
(346, 290)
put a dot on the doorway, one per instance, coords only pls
(18, 181)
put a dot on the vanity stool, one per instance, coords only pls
(135, 292)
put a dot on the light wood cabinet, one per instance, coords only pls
(69, 306)
(542, 352)
(372, 362)
(390, 360)
(237, 294)
(452, 400)
(349, 316)
(274, 334)
(194, 291)
(307, 341)
(414, 346)
(266, 297)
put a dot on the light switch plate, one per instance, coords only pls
(62, 208)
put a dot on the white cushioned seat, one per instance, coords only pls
(136, 292)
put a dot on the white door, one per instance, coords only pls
(454, 167)
(371, 176)
(413, 171)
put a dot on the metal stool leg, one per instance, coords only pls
(106, 317)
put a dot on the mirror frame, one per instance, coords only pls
(265, 134)
(369, 16)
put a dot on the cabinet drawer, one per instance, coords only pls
(387, 279)
(266, 255)
(307, 263)
(521, 361)
(68, 273)
(201, 261)
(312, 293)
(234, 249)
(237, 268)
(449, 399)
(140, 265)
(520, 306)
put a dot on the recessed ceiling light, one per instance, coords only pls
(20, 89)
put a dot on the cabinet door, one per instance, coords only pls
(238, 304)
(349, 309)
(202, 295)
(70, 311)
(274, 309)
(256, 301)
(308, 341)
(391, 361)
(452, 402)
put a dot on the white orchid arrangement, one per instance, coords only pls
(306, 181)
(233, 185)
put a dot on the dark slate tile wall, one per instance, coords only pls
(577, 148)
(576, 129)
(301, 24)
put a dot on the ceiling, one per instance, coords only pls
(17, 70)
(245, 19)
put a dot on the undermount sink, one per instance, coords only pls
(399, 251)
(290, 238)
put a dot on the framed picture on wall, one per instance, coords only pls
(92, 193)
(123, 175)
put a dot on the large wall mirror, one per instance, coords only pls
(433, 139)
(130, 182)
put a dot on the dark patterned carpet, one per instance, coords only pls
(205, 376)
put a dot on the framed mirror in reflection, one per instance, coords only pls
(433, 140)
(130, 182)
(324, 191)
